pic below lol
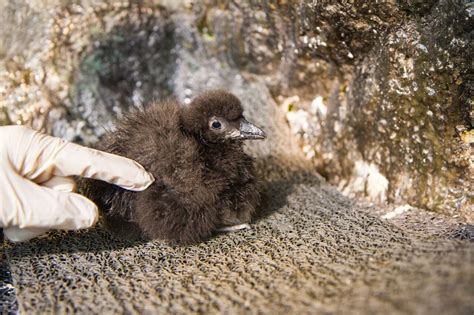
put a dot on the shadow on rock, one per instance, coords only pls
(129, 66)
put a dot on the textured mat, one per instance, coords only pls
(316, 252)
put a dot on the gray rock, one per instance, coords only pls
(384, 88)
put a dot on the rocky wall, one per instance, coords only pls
(379, 94)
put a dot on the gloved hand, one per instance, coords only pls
(36, 188)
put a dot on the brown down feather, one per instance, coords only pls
(202, 182)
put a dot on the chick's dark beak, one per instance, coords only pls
(250, 131)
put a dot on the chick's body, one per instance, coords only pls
(200, 185)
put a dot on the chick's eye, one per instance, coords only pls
(216, 125)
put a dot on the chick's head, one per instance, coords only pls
(217, 116)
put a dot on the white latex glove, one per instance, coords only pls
(36, 188)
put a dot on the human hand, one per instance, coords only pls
(36, 185)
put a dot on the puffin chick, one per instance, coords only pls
(204, 181)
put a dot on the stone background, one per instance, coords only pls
(379, 94)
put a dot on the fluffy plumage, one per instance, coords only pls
(204, 180)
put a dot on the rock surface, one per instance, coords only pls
(381, 102)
